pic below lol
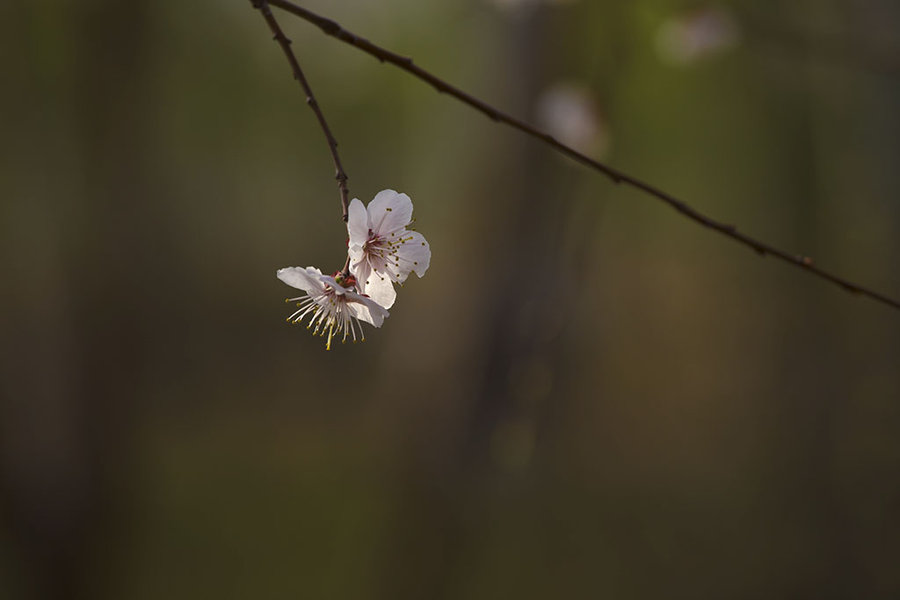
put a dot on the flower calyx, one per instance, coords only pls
(346, 280)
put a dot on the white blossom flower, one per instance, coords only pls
(697, 34)
(569, 112)
(382, 250)
(332, 308)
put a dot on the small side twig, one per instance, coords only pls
(335, 30)
(285, 43)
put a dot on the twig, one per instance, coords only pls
(285, 44)
(335, 30)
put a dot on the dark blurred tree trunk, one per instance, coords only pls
(813, 371)
(68, 423)
(446, 507)
(869, 462)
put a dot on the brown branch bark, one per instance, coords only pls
(285, 43)
(805, 263)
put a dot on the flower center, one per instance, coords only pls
(347, 281)
(381, 246)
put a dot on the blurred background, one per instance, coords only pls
(587, 396)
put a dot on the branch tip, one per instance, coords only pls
(285, 43)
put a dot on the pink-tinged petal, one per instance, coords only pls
(381, 290)
(389, 212)
(366, 309)
(308, 279)
(357, 223)
(414, 254)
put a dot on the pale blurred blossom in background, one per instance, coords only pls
(568, 111)
(697, 34)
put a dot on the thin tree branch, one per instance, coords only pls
(335, 30)
(285, 44)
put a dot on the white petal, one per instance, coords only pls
(379, 265)
(356, 253)
(381, 290)
(357, 223)
(389, 211)
(362, 270)
(413, 255)
(366, 309)
(308, 279)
